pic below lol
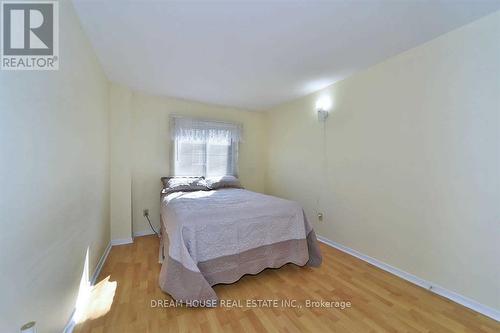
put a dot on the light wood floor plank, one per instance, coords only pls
(381, 302)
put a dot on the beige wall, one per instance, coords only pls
(150, 148)
(407, 168)
(54, 182)
(120, 131)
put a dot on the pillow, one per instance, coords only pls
(184, 184)
(215, 183)
(164, 181)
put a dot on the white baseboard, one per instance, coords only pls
(451, 295)
(70, 325)
(144, 233)
(122, 241)
(99, 265)
(71, 322)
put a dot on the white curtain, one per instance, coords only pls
(204, 148)
(202, 131)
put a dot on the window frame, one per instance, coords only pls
(233, 151)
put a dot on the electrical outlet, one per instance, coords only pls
(320, 217)
(145, 212)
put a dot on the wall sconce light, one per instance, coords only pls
(29, 327)
(323, 105)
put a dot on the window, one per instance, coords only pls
(204, 148)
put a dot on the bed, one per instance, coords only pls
(212, 236)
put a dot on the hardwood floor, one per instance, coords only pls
(128, 284)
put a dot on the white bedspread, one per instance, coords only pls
(227, 221)
(219, 236)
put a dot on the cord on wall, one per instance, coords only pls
(146, 215)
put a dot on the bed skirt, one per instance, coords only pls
(188, 286)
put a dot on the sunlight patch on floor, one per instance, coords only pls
(100, 299)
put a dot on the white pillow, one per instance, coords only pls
(186, 184)
(215, 183)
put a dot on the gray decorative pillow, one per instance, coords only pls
(164, 181)
(215, 183)
(185, 184)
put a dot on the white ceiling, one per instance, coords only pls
(256, 54)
